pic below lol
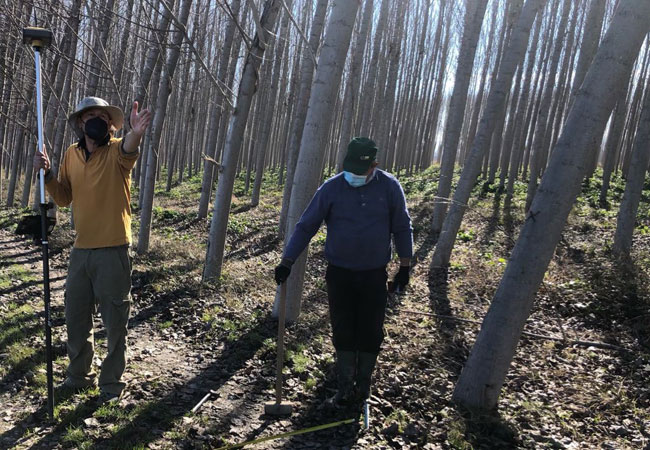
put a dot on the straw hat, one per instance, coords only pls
(115, 113)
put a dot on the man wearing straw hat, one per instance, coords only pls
(363, 207)
(95, 177)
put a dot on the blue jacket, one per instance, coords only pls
(360, 222)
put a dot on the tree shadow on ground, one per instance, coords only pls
(268, 243)
(508, 223)
(30, 362)
(231, 359)
(454, 350)
(241, 208)
(164, 411)
(493, 221)
(39, 418)
(27, 284)
(15, 259)
(311, 411)
(20, 334)
(488, 430)
(619, 298)
(482, 431)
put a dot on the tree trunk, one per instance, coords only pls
(98, 57)
(538, 149)
(588, 46)
(216, 114)
(474, 14)
(266, 122)
(351, 97)
(18, 149)
(634, 186)
(483, 376)
(611, 147)
(371, 84)
(236, 128)
(146, 207)
(295, 136)
(493, 109)
(319, 114)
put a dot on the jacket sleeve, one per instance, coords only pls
(400, 222)
(124, 159)
(60, 188)
(308, 225)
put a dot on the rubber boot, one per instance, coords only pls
(346, 362)
(365, 365)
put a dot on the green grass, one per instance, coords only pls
(232, 328)
(398, 416)
(127, 434)
(72, 409)
(111, 413)
(466, 235)
(211, 314)
(75, 437)
(18, 324)
(311, 383)
(238, 224)
(456, 436)
(269, 183)
(299, 359)
(17, 272)
(14, 323)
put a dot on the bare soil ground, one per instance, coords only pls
(189, 339)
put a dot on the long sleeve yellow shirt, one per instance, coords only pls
(99, 190)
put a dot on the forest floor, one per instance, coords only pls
(188, 339)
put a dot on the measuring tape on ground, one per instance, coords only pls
(288, 434)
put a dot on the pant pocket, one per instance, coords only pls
(111, 275)
(125, 258)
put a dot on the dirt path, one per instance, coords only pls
(187, 340)
(172, 365)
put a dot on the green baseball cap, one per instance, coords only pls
(362, 152)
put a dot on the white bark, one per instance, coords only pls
(538, 148)
(295, 135)
(474, 14)
(634, 186)
(485, 372)
(319, 114)
(264, 142)
(99, 58)
(234, 140)
(156, 132)
(493, 108)
(216, 111)
(351, 97)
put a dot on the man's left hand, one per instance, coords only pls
(139, 120)
(401, 278)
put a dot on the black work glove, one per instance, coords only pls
(282, 271)
(401, 279)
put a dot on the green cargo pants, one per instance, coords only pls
(97, 277)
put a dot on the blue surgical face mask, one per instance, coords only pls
(354, 180)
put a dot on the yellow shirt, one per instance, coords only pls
(99, 190)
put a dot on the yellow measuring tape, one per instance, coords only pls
(291, 433)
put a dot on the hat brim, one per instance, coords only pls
(115, 113)
(357, 167)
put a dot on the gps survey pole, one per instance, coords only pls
(39, 39)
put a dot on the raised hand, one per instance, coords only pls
(139, 120)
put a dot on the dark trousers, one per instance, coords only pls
(357, 301)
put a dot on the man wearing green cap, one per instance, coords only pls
(95, 177)
(363, 207)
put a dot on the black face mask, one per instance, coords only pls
(96, 129)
